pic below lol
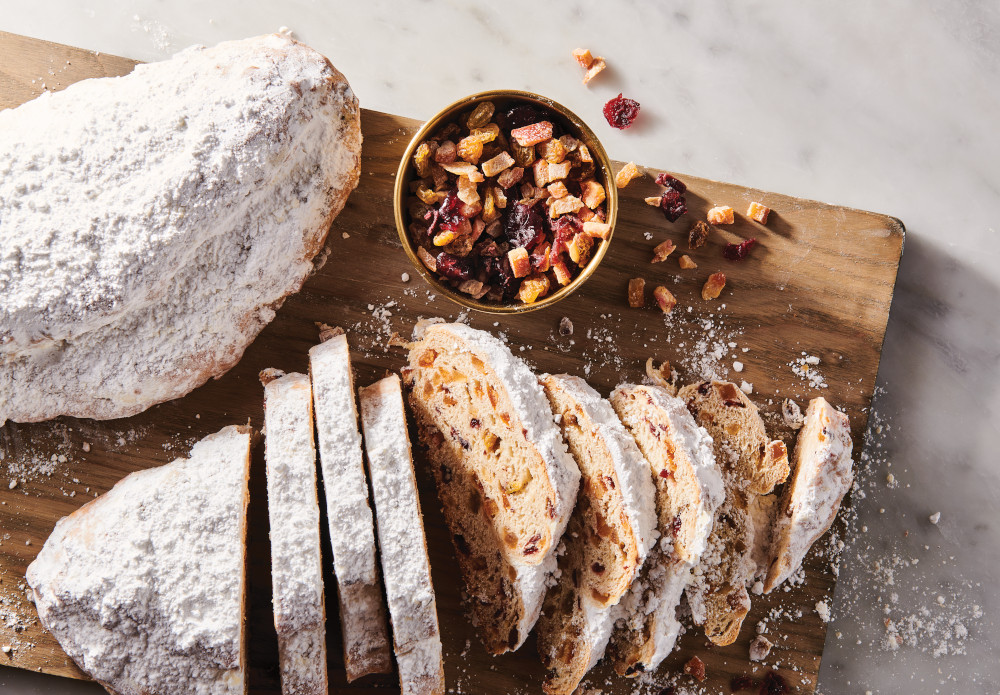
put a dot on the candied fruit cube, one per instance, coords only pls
(510, 177)
(722, 214)
(470, 149)
(444, 238)
(560, 170)
(626, 174)
(468, 193)
(533, 287)
(686, 263)
(758, 212)
(540, 258)
(532, 134)
(713, 286)
(596, 68)
(653, 200)
(446, 153)
(464, 169)
(598, 230)
(440, 177)
(662, 250)
(489, 208)
(563, 206)
(520, 263)
(557, 190)
(427, 258)
(422, 158)
(586, 215)
(480, 115)
(698, 234)
(560, 269)
(494, 166)
(592, 193)
(472, 287)
(552, 151)
(636, 293)
(583, 152)
(579, 248)
(583, 57)
(664, 299)
(500, 197)
(542, 173)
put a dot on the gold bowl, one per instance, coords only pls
(504, 98)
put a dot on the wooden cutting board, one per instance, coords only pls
(819, 283)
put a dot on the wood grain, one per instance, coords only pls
(820, 281)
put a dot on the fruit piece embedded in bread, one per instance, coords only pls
(402, 543)
(193, 193)
(364, 631)
(293, 512)
(505, 479)
(608, 537)
(689, 489)
(145, 586)
(823, 475)
(751, 465)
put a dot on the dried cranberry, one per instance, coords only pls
(453, 267)
(664, 179)
(451, 211)
(737, 252)
(673, 211)
(474, 423)
(522, 115)
(739, 683)
(675, 526)
(620, 112)
(505, 280)
(531, 547)
(774, 684)
(524, 226)
(703, 387)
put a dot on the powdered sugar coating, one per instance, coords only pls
(532, 409)
(402, 543)
(823, 475)
(143, 587)
(352, 530)
(293, 512)
(193, 193)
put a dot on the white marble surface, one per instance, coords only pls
(887, 106)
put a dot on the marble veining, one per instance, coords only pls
(884, 106)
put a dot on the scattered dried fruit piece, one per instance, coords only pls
(636, 293)
(596, 68)
(565, 326)
(519, 261)
(532, 134)
(686, 263)
(533, 287)
(592, 193)
(664, 299)
(758, 212)
(653, 200)
(760, 648)
(737, 252)
(698, 234)
(713, 286)
(583, 57)
(626, 174)
(672, 200)
(510, 177)
(662, 250)
(722, 214)
(665, 179)
(598, 230)
(695, 667)
(563, 206)
(557, 189)
(621, 112)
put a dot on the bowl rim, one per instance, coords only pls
(585, 133)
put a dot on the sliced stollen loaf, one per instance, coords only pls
(751, 465)
(403, 545)
(823, 475)
(608, 537)
(504, 476)
(689, 490)
(144, 587)
(193, 193)
(352, 532)
(293, 511)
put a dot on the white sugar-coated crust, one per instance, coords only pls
(532, 409)
(352, 533)
(823, 475)
(192, 194)
(144, 586)
(667, 576)
(635, 487)
(402, 543)
(293, 512)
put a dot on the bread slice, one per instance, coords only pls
(402, 542)
(751, 465)
(809, 504)
(193, 193)
(504, 476)
(689, 489)
(145, 586)
(609, 535)
(293, 512)
(364, 631)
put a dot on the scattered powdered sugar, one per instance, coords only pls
(805, 368)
